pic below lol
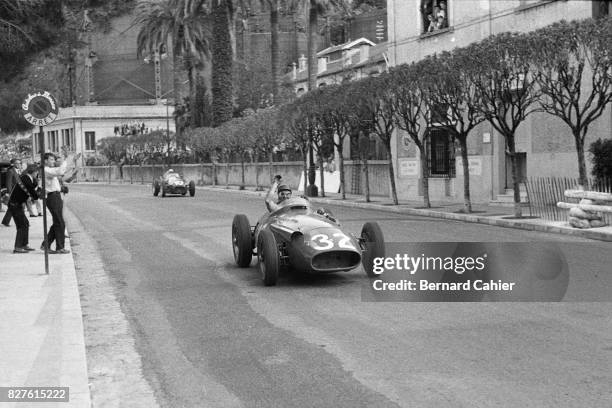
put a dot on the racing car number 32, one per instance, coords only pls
(323, 241)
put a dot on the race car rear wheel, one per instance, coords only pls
(192, 188)
(374, 241)
(269, 262)
(156, 188)
(242, 244)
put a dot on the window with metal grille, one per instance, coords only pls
(440, 153)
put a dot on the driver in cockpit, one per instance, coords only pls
(277, 194)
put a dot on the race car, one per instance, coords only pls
(299, 238)
(172, 183)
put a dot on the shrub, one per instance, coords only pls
(601, 158)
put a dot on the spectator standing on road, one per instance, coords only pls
(55, 204)
(12, 178)
(25, 188)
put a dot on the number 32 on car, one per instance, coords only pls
(322, 242)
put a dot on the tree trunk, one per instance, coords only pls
(305, 162)
(312, 46)
(177, 78)
(367, 179)
(275, 50)
(214, 174)
(222, 60)
(227, 174)
(242, 183)
(391, 173)
(425, 177)
(582, 172)
(518, 211)
(270, 166)
(321, 173)
(467, 202)
(342, 178)
(193, 105)
(256, 163)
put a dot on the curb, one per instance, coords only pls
(498, 222)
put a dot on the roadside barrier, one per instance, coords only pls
(588, 212)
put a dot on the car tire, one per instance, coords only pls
(374, 241)
(156, 188)
(192, 188)
(163, 190)
(242, 243)
(269, 262)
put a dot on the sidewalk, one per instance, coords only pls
(500, 216)
(41, 328)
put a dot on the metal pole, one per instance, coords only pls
(44, 198)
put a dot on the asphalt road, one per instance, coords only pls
(211, 335)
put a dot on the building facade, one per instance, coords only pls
(546, 147)
(80, 128)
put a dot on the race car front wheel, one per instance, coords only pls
(156, 188)
(269, 262)
(241, 240)
(374, 246)
(192, 188)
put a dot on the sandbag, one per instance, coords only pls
(579, 223)
(597, 223)
(584, 215)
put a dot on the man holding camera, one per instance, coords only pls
(55, 204)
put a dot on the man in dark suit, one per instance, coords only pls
(24, 188)
(12, 175)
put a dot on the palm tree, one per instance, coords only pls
(222, 60)
(180, 22)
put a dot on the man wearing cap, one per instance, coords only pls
(12, 178)
(281, 191)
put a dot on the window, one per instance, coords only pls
(440, 153)
(434, 15)
(52, 141)
(90, 140)
(602, 8)
(67, 140)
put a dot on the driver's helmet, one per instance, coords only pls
(284, 192)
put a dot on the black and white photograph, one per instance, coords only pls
(306, 203)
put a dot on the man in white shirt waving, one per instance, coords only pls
(55, 203)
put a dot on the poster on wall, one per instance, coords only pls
(474, 166)
(408, 167)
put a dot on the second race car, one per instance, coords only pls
(303, 239)
(171, 182)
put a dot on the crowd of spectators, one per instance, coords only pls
(435, 15)
(132, 128)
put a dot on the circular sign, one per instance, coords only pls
(40, 108)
